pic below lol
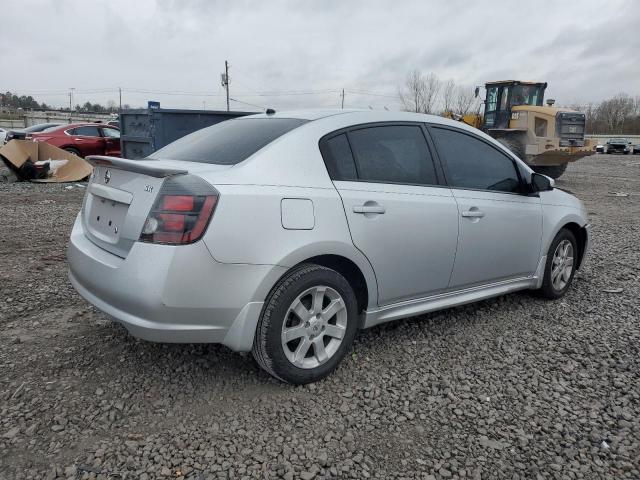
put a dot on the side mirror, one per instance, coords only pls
(476, 92)
(541, 183)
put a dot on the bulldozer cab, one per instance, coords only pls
(502, 96)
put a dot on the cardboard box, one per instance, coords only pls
(17, 152)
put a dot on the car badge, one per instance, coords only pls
(107, 176)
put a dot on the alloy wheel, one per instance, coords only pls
(314, 326)
(562, 265)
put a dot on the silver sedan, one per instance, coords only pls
(286, 233)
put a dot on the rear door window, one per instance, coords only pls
(87, 131)
(393, 154)
(472, 163)
(338, 158)
(229, 142)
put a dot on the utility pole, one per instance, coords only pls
(225, 81)
(120, 93)
(342, 99)
(226, 77)
(71, 98)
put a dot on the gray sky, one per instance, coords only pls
(587, 50)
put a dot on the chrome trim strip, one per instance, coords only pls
(111, 193)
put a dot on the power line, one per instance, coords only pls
(247, 103)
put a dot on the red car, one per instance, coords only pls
(83, 139)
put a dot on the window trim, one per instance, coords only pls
(523, 190)
(441, 183)
(86, 136)
(102, 134)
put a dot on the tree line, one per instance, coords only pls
(12, 101)
(619, 114)
(427, 93)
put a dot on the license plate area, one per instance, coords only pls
(106, 218)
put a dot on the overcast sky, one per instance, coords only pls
(586, 50)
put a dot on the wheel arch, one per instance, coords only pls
(345, 259)
(581, 239)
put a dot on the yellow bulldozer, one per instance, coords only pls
(547, 138)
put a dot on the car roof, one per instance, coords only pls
(88, 124)
(369, 115)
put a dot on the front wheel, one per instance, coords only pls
(307, 325)
(561, 265)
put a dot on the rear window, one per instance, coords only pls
(229, 142)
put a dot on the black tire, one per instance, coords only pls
(75, 151)
(553, 171)
(548, 289)
(268, 349)
(515, 146)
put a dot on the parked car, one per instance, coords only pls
(3, 134)
(617, 145)
(285, 233)
(113, 123)
(26, 133)
(599, 148)
(83, 139)
(636, 149)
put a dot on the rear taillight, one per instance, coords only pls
(181, 212)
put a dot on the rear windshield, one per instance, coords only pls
(40, 127)
(229, 142)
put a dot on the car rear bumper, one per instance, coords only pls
(172, 294)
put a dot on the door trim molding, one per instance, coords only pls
(441, 301)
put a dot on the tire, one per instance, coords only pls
(73, 150)
(553, 289)
(515, 146)
(553, 171)
(297, 291)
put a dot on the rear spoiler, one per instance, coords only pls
(144, 167)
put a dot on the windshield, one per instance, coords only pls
(526, 95)
(229, 142)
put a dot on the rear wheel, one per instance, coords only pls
(553, 171)
(307, 325)
(561, 265)
(75, 151)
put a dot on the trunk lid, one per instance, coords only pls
(120, 195)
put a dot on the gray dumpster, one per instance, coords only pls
(142, 132)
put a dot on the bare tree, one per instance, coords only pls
(448, 96)
(420, 92)
(466, 101)
(614, 111)
(432, 90)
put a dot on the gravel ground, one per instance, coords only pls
(514, 387)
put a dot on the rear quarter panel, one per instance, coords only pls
(247, 228)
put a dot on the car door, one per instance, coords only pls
(500, 224)
(111, 141)
(399, 215)
(88, 140)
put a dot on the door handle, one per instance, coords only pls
(375, 208)
(473, 214)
